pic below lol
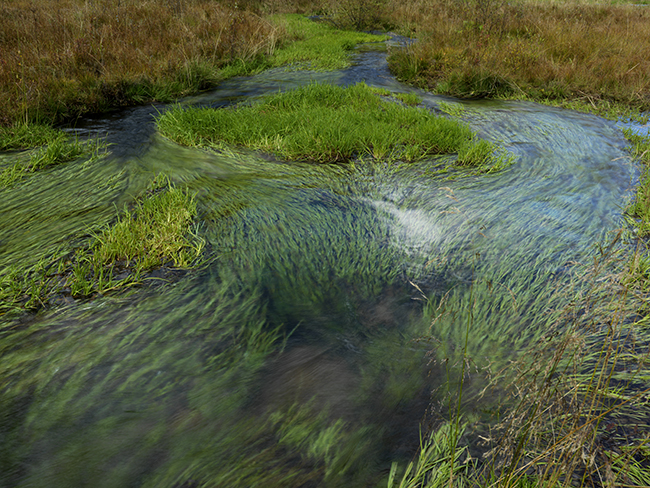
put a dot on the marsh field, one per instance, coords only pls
(352, 243)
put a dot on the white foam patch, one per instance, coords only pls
(411, 228)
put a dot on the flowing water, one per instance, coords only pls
(304, 352)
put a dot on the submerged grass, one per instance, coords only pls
(156, 232)
(571, 410)
(327, 123)
(581, 393)
(57, 148)
(572, 401)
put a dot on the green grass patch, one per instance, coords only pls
(155, 232)
(26, 136)
(326, 123)
(639, 210)
(27, 288)
(319, 44)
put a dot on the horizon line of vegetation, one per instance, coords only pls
(329, 124)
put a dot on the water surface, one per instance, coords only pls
(308, 350)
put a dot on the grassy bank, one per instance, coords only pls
(64, 59)
(597, 54)
(326, 123)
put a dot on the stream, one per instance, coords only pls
(304, 352)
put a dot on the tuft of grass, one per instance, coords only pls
(26, 136)
(27, 289)
(439, 463)
(156, 232)
(639, 211)
(326, 123)
(409, 98)
(153, 233)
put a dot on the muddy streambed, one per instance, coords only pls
(304, 352)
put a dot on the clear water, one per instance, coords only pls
(304, 352)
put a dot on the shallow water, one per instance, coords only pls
(301, 353)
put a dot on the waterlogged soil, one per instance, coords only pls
(304, 352)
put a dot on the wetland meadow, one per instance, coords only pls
(356, 243)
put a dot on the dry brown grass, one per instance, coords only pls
(61, 58)
(542, 50)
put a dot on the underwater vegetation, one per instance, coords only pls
(309, 301)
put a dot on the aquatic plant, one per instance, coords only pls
(326, 123)
(58, 150)
(155, 232)
(571, 410)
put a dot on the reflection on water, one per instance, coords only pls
(291, 359)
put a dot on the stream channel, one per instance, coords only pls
(304, 352)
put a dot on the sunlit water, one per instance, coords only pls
(304, 352)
